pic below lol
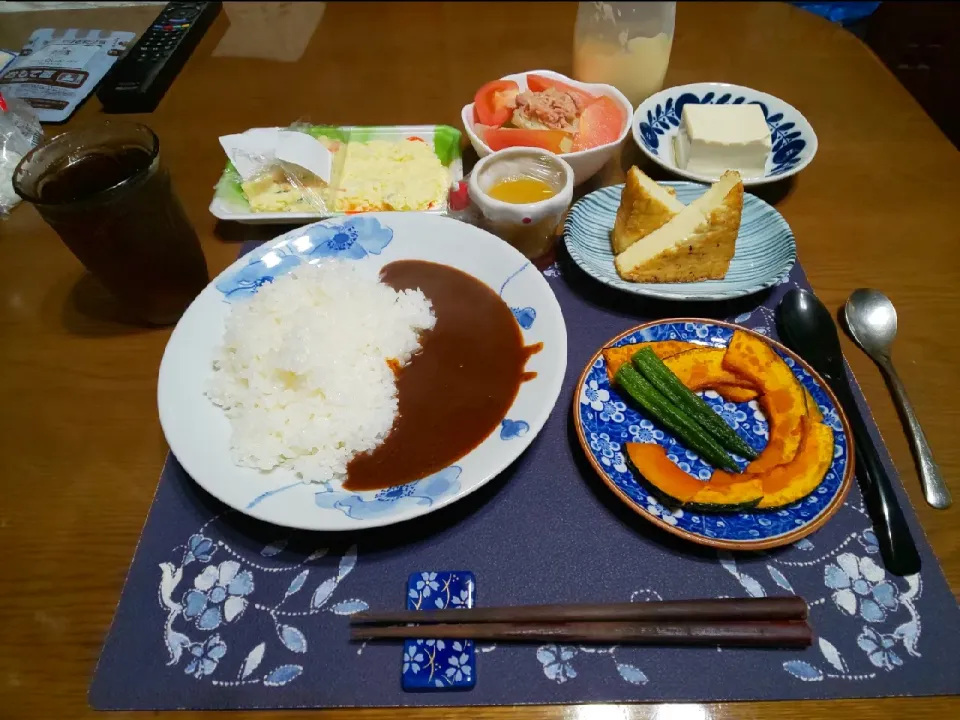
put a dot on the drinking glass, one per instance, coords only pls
(106, 193)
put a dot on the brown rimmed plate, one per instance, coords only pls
(605, 420)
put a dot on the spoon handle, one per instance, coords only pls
(934, 488)
(896, 542)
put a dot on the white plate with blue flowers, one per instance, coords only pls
(198, 432)
(656, 121)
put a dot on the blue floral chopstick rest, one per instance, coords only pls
(439, 664)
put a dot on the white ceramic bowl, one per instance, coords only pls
(585, 163)
(529, 227)
(515, 161)
(658, 117)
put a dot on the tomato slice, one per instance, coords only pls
(494, 102)
(601, 122)
(555, 141)
(539, 83)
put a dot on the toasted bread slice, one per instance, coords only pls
(696, 244)
(645, 206)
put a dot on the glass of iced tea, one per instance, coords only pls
(104, 191)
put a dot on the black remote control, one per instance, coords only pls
(141, 77)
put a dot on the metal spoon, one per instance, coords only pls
(872, 322)
(807, 327)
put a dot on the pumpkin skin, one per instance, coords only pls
(729, 492)
(678, 489)
(812, 410)
(782, 397)
(737, 496)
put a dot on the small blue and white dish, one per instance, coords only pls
(436, 665)
(766, 249)
(656, 121)
(605, 420)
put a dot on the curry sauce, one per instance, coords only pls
(458, 388)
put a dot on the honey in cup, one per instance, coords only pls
(523, 194)
(521, 190)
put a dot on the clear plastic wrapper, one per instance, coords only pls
(371, 168)
(276, 184)
(20, 132)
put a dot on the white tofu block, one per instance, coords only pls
(716, 138)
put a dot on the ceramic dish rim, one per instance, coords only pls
(766, 543)
(813, 143)
(639, 288)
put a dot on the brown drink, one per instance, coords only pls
(105, 193)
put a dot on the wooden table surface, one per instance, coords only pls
(81, 446)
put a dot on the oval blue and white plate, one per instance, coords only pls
(198, 432)
(766, 248)
(656, 121)
(605, 421)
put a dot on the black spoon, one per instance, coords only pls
(806, 326)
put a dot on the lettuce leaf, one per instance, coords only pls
(446, 144)
(229, 190)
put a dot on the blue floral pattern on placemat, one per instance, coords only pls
(609, 422)
(787, 140)
(210, 594)
(870, 639)
(439, 664)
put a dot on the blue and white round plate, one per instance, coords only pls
(766, 248)
(199, 433)
(605, 420)
(656, 121)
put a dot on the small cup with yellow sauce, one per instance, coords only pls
(523, 193)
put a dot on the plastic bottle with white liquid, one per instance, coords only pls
(624, 44)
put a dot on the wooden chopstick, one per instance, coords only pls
(739, 609)
(727, 633)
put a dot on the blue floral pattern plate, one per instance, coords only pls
(766, 248)
(656, 121)
(605, 420)
(199, 433)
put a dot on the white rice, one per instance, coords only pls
(302, 372)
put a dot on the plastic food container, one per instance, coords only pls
(230, 203)
(529, 227)
(624, 44)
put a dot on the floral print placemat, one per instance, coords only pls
(224, 612)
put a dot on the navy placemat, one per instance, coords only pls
(221, 611)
